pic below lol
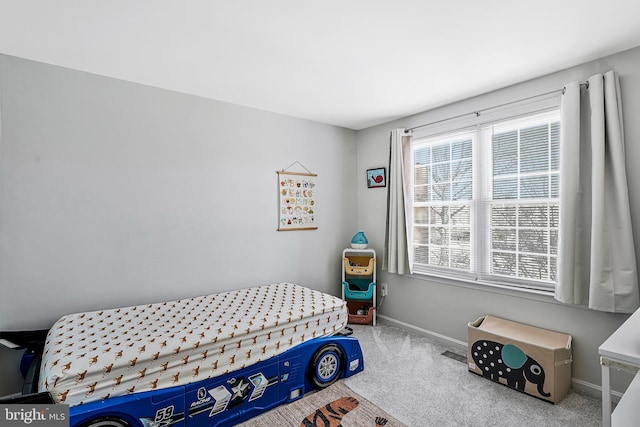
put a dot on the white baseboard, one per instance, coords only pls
(577, 384)
(593, 389)
(461, 345)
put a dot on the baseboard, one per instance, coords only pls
(593, 389)
(576, 384)
(460, 345)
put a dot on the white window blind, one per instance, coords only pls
(443, 195)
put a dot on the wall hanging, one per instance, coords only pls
(376, 178)
(297, 196)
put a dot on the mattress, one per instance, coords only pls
(96, 355)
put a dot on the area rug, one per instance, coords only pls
(334, 406)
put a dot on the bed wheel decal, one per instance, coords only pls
(326, 366)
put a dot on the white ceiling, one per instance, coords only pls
(351, 63)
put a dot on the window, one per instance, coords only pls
(443, 195)
(485, 201)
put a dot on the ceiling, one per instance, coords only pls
(350, 63)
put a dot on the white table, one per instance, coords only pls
(622, 351)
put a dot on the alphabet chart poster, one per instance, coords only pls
(297, 201)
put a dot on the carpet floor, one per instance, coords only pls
(408, 376)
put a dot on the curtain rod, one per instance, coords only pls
(477, 112)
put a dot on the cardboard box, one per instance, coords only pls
(529, 359)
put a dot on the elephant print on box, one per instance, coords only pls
(497, 361)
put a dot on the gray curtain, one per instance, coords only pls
(397, 254)
(596, 252)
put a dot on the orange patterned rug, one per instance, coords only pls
(334, 406)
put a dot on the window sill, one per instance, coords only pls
(525, 293)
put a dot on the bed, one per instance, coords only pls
(102, 354)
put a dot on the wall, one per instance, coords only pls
(114, 194)
(445, 308)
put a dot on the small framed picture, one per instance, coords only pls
(376, 178)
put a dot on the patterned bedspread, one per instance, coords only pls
(96, 355)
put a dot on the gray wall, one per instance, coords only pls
(445, 308)
(113, 193)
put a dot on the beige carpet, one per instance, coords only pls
(334, 406)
